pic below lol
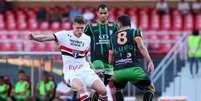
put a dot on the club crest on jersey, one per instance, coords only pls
(76, 53)
(103, 37)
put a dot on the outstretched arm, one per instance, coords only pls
(42, 37)
(145, 53)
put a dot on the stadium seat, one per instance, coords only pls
(165, 22)
(55, 26)
(188, 22)
(198, 22)
(144, 20)
(154, 22)
(44, 25)
(2, 25)
(177, 22)
(36, 46)
(3, 36)
(66, 25)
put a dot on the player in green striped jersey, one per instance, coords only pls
(127, 45)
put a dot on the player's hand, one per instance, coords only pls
(150, 67)
(30, 36)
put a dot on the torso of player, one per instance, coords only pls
(100, 36)
(73, 49)
(124, 49)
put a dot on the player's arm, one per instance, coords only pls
(145, 53)
(42, 37)
(111, 57)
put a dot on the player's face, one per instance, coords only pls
(78, 29)
(102, 14)
(21, 76)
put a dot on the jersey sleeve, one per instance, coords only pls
(116, 27)
(59, 36)
(87, 30)
(137, 33)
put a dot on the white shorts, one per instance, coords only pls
(83, 72)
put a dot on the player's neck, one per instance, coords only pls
(125, 28)
(77, 34)
(102, 22)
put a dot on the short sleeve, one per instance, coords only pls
(116, 27)
(87, 30)
(137, 33)
(59, 36)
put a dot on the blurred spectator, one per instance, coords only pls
(88, 15)
(63, 92)
(194, 46)
(162, 7)
(184, 7)
(42, 15)
(74, 12)
(8, 83)
(3, 90)
(21, 89)
(66, 15)
(45, 88)
(4, 6)
(196, 7)
(55, 15)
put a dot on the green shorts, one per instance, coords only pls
(98, 64)
(134, 75)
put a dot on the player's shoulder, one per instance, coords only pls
(65, 31)
(112, 23)
(85, 36)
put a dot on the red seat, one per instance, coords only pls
(198, 22)
(36, 46)
(154, 22)
(163, 36)
(165, 22)
(144, 21)
(165, 47)
(12, 36)
(44, 25)
(3, 36)
(55, 26)
(9, 46)
(2, 25)
(177, 22)
(66, 25)
(174, 36)
(188, 22)
(11, 25)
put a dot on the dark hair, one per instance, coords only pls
(21, 71)
(102, 6)
(79, 20)
(195, 32)
(124, 20)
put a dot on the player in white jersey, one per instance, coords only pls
(74, 45)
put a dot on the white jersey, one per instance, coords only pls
(73, 49)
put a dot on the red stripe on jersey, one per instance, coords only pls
(71, 50)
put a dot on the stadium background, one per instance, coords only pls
(165, 36)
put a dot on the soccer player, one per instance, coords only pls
(127, 44)
(100, 33)
(74, 45)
